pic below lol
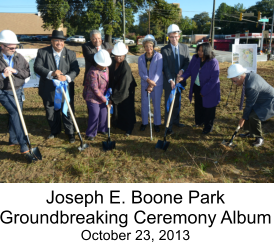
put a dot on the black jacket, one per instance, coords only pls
(21, 65)
(44, 63)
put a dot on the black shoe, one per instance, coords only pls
(247, 135)
(169, 132)
(142, 127)
(90, 138)
(206, 131)
(52, 136)
(180, 125)
(128, 132)
(71, 138)
(258, 142)
(157, 128)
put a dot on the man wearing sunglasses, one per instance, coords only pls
(12, 63)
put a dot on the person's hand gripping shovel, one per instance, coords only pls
(34, 153)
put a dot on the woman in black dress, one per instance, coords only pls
(123, 86)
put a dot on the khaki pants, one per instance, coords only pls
(253, 125)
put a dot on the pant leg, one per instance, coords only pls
(8, 101)
(67, 121)
(93, 119)
(144, 106)
(198, 108)
(254, 125)
(53, 117)
(209, 117)
(12, 138)
(102, 118)
(156, 99)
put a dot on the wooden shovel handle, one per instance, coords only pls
(171, 110)
(109, 123)
(71, 112)
(18, 107)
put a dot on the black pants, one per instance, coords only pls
(54, 119)
(202, 114)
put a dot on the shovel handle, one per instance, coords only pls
(109, 123)
(70, 109)
(171, 109)
(18, 107)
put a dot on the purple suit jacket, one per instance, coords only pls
(209, 80)
(155, 71)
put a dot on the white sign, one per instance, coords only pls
(245, 55)
(237, 41)
(30, 55)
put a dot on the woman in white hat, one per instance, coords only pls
(150, 70)
(123, 86)
(95, 86)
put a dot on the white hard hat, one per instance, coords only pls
(173, 28)
(8, 37)
(235, 70)
(150, 37)
(103, 58)
(120, 49)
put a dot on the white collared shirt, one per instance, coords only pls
(49, 76)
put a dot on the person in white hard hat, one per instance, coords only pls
(123, 86)
(13, 63)
(175, 60)
(259, 101)
(95, 87)
(56, 62)
(150, 66)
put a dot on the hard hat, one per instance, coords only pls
(235, 70)
(150, 37)
(120, 49)
(8, 37)
(173, 28)
(103, 58)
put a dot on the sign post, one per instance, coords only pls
(264, 20)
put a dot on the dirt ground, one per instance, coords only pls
(190, 157)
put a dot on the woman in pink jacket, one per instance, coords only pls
(95, 87)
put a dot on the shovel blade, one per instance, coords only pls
(83, 147)
(163, 145)
(109, 145)
(228, 143)
(33, 155)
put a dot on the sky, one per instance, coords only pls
(189, 7)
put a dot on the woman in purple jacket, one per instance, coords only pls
(205, 84)
(95, 86)
(150, 70)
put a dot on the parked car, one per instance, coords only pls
(127, 41)
(76, 39)
(24, 38)
(45, 38)
(37, 37)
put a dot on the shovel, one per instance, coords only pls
(108, 145)
(34, 153)
(150, 115)
(163, 145)
(230, 143)
(82, 146)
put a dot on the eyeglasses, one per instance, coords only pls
(58, 40)
(10, 48)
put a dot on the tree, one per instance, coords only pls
(53, 12)
(187, 25)
(203, 22)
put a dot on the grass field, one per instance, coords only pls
(191, 156)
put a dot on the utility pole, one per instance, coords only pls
(213, 25)
(123, 10)
(149, 20)
(271, 32)
(262, 41)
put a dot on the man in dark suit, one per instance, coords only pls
(175, 61)
(56, 62)
(259, 101)
(90, 48)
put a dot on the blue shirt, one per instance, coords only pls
(9, 62)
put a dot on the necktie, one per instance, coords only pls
(176, 61)
(242, 97)
(57, 60)
(97, 48)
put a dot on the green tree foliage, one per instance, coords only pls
(53, 12)
(203, 22)
(187, 26)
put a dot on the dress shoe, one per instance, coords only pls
(169, 132)
(128, 132)
(258, 142)
(71, 138)
(180, 125)
(90, 138)
(156, 128)
(143, 127)
(206, 131)
(247, 135)
(52, 136)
